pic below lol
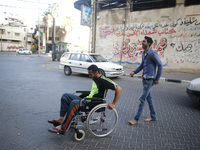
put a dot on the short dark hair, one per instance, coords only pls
(149, 40)
(94, 68)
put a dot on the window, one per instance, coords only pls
(109, 4)
(66, 55)
(17, 34)
(137, 5)
(85, 58)
(98, 58)
(75, 57)
(192, 2)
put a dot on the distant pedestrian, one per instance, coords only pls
(150, 61)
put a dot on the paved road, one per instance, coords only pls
(29, 95)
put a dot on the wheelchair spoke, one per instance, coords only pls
(101, 121)
(100, 130)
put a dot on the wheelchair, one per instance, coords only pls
(100, 121)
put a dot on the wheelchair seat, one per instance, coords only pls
(91, 104)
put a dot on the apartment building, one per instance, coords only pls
(14, 34)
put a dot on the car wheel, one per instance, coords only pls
(67, 70)
(102, 72)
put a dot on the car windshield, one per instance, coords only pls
(98, 58)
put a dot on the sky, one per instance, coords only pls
(29, 10)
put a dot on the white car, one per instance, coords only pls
(193, 90)
(24, 51)
(79, 62)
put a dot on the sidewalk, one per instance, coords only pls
(177, 77)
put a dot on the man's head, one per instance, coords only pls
(146, 43)
(93, 71)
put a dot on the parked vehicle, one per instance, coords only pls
(79, 62)
(193, 90)
(24, 51)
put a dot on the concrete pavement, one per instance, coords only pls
(30, 92)
(168, 76)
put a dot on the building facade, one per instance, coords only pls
(174, 26)
(14, 34)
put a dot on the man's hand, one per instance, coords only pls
(111, 106)
(156, 82)
(131, 74)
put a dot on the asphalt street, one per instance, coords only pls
(30, 91)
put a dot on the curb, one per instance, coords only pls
(162, 79)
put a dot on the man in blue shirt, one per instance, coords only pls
(150, 61)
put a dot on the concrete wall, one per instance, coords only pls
(175, 31)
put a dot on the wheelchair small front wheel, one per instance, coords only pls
(79, 136)
(101, 121)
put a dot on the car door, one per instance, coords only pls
(65, 59)
(85, 62)
(74, 62)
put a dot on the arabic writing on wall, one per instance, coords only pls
(179, 39)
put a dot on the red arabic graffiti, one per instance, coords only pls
(105, 31)
(135, 49)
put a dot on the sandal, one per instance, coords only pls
(58, 131)
(149, 119)
(54, 122)
(133, 122)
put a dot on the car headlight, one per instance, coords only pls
(191, 86)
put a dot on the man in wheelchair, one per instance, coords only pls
(70, 103)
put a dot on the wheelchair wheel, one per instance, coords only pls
(79, 136)
(101, 121)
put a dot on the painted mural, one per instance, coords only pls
(177, 41)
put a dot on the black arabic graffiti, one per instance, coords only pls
(179, 21)
(181, 47)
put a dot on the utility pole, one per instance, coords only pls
(53, 40)
(93, 26)
(38, 28)
(53, 11)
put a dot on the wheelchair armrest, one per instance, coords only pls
(94, 99)
(83, 93)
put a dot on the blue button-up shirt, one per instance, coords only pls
(149, 64)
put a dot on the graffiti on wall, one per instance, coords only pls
(134, 50)
(179, 39)
(10, 47)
